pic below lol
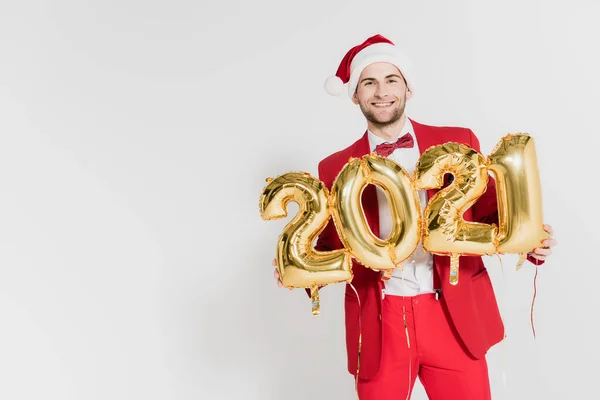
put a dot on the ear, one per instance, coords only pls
(408, 94)
(355, 98)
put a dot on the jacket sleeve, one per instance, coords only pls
(485, 210)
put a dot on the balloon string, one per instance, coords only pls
(533, 300)
(359, 341)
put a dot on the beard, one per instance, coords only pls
(382, 123)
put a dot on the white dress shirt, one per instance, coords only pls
(417, 274)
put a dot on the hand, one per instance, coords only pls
(540, 253)
(276, 275)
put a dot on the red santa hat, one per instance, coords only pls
(375, 49)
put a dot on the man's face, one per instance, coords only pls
(381, 94)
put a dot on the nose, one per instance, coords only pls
(381, 92)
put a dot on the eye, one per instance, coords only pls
(392, 81)
(368, 83)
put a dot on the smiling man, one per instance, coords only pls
(414, 323)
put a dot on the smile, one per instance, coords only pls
(389, 103)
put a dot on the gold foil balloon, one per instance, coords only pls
(350, 220)
(514, 164)
(299, 264)
(446, 232)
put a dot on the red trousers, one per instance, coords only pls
(432, 352)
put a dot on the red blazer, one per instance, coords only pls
(471, 305)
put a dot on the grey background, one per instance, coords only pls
(135, 140)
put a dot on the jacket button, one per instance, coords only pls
(380, 318)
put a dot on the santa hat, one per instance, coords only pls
(375, 49)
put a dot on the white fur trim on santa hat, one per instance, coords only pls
(334, 85)
(379, 52)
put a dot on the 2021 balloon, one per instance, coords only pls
(442, 228)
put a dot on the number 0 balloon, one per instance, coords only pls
(350, 220)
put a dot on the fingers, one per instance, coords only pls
(277, 276)
(548, 228)
(540, 253)
(547, 243)
(276, 273)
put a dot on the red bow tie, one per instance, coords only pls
(385, 149)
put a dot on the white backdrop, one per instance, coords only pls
(136, 137)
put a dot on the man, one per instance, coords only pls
(415, 323)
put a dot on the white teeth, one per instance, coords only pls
(382, 104)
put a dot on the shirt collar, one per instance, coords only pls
(374, 140)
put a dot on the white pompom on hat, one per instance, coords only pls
(375, 49)
(334, 85)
